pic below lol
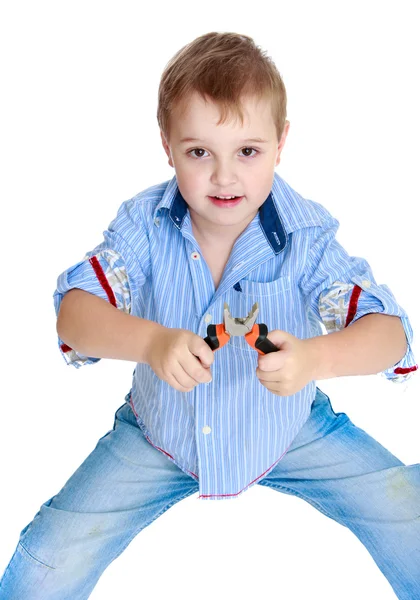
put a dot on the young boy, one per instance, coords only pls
(225, 229)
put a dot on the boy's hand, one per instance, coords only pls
(181, 358)
(287, 371)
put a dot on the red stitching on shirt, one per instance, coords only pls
(157, 448)
(103, 280)
(167, 453)
(132, 405)
(353, 304)
(150, 441)
(401, 371)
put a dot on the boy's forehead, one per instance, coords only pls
(195, 103)
(195, 113)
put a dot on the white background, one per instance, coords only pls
(79, 136)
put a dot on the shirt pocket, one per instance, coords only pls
(275, 299)
(258, 289)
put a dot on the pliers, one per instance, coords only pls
(255, 333)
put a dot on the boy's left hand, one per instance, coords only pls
(290, 369)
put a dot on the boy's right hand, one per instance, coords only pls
(181, 358)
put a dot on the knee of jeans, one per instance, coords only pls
(30, 556)
(403, 488)
(66, 569)
(39, 549)
(55, 543)
(75, 559)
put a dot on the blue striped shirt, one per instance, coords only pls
(230, 433)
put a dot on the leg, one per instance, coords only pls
(121, 487)
(351, 478)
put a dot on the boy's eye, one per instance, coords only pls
(200, 151)
(251, 149)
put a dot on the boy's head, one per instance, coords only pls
(222, 93)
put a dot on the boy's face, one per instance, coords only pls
(223, 161)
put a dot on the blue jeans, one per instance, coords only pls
(125, 484)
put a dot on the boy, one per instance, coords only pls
(225, 229)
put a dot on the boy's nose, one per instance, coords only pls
(224, 176)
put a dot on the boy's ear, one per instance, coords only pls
(167, 149)
(282, 141)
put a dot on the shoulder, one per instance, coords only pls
(296, 211)
(138, 212)
(151, 195)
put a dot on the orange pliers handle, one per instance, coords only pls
(255, 333)
(217, 336)
(257, 339)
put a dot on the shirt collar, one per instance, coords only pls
(277, 216)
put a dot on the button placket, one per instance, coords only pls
(202, 282)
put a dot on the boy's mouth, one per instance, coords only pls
(226, 201)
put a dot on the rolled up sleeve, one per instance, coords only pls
(110, 271)
(340, 289)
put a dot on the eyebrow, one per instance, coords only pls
(256, 140)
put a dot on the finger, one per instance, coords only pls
(268, 375)
(202, 351)
(194, 368)
(272, 362)
(182, 382)
(187, 378)
(275, 387)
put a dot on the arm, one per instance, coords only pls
(341, 292)
(371, 344)
(114, 271)
(93, 327)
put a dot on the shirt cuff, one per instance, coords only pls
(403, 370)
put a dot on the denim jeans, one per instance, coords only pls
(125, 484)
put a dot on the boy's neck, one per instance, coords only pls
(223, 236)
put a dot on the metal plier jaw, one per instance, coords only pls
(255, 334)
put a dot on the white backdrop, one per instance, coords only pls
(78, 137)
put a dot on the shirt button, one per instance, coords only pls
(237, 266)
(207, 318)
(366, 283)
(206, 429)
(157, 221)
(195, 256)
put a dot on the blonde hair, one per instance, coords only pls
(223, 67)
